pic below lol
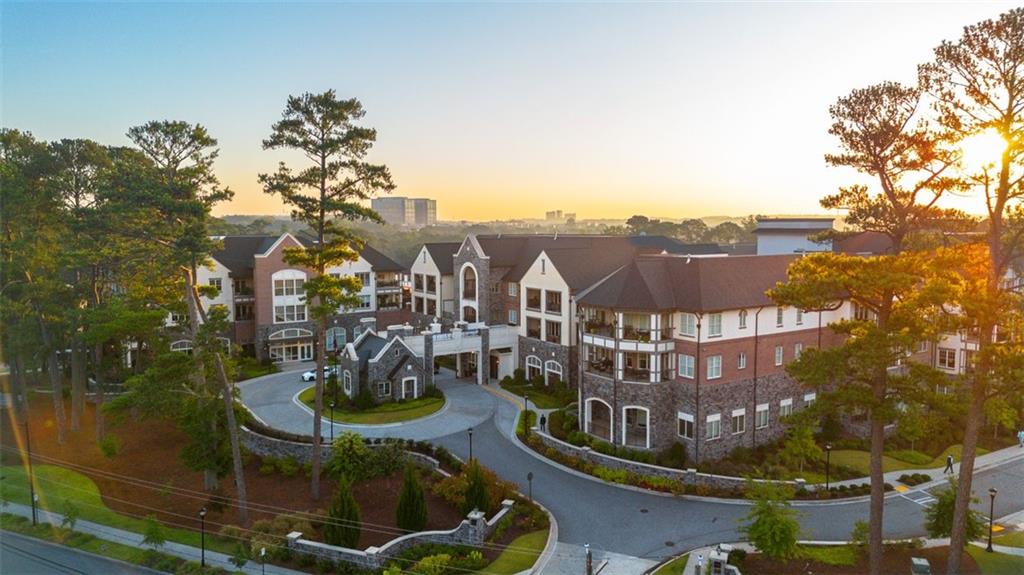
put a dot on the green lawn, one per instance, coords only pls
(860, 460)
(392, 412)
(674, 567)
(56, 485)
(996, 563)
(538, 399)
(1010, 539)
(843, 555)
(519, 555)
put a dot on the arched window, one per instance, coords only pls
(469, 282)
(635, 426)
(533, 367)
(290, 333)
(552, 372)
(182, 345)
(599, 418)
(335, 338)
(469, 314)
(743, 319)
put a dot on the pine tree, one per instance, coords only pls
(412, 507)
(477, 497)
(343, 527)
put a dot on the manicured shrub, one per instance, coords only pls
(476, 496)
(364, 399)
(109, 446)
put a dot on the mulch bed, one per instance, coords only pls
(895, 560)
(148, 450)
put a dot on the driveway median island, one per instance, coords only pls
(381, 414)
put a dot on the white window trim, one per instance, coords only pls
(647, 428)
(708, 365)
(590, 414)
(687, 417)
(415, 391)
(713, 418)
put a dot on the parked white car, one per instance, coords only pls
(311, 374)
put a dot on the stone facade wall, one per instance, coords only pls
(483, 273)
(303, 452)
(547, 351)
(349, 321)
(666, 399)
(473, 531)
(408, 364)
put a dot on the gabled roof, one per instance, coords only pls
(379, 261)
(443, 253)
(237, 253)
(368, 346)
(708, 284)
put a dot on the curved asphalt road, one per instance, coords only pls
(611, 518)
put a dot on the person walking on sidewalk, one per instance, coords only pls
(949, 464)
(1020, 438)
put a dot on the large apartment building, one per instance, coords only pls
(265, 296)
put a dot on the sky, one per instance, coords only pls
(497, 111)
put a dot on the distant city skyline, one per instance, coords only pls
(495, 111)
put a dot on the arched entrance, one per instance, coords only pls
(599, 419)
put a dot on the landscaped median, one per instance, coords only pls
(380, 414)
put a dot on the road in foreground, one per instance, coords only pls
(27, 556)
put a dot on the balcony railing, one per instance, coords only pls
(381, 283)
(645, 334)
(599, 328)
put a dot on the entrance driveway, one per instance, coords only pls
(273, 399)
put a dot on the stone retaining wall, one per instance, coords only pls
(303, 452)
(687, 476)
(473, 531)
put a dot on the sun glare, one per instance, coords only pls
(983, 149)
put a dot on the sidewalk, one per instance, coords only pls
(981, 462)
(135, 540)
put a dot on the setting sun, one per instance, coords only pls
(983, 149)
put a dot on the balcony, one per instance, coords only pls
(598, 327)
(604, 367)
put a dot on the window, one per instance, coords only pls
(513, 317)
(786, 407)
(417, 282)
(178, 318)
(431, 309)
(797, 350)
(553, 301)
(778, 355)
(533, 327)
(714, 366)
(739, 421)
(715, 325)
(431, 284)
(553, 331)
(217, 283)
(922, 346)
(364, 302)
(182, 345)
(533, 367)
(714, 426)
(383, 389)
(761, 416)
(289, 287)
(742, 362)
(685, 422)
(334, 338)
(799, 317)
(543, 266)
(290, 333)
(289, 313)
(418, 305)
(688, 325)
(364, 278)
(533, 299)
(513, 289)
(686, 366)
(552, 372)
(779, 311)
(809, 399)
(242, 286)
(743, 319)
(861, 313)
(244, 311)
(947, 358)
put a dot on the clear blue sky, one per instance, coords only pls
(674, 110)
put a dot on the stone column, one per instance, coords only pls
(483, 364)
(428, 359)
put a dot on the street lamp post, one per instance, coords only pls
(529, 482)
(828, 460)
(202, 537)
(526, 414)
(332, 422)
(31, 476)
(470, 443)
(590, 560)
(991, 512)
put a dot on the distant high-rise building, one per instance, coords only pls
(553, 215)
(425, 211)
(402, 211)
(570, 216)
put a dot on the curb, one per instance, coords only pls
(549, 547)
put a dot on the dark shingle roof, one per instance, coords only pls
(874, 243)
(237, 253)
(379, 261)
(442, 254)
(662, 283)
(369, 347)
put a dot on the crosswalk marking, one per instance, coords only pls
(922, 498)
